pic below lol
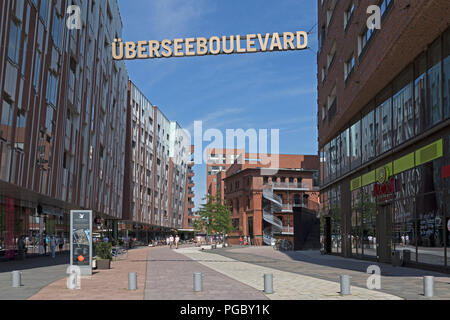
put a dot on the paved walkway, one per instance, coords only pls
(36, 274)
(109, 284)
(287, 285)
(170, 277)
(403, 282)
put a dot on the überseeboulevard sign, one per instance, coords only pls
(215, 45)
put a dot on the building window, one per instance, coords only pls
(37, 70)
(20, 130)
(368, 137)
(6, 121)
(355, 138)
(383, 127)
(330, 11)
(348, 14)
(57, 30)
(403, 115)
(331, 55)
(434, 82)
(348, 66)
(446, 73)
(14, 42)
(52, 89)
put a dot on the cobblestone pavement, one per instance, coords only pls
(36, 274)
(170, 277)
(403, 282)
(109, 284)
(287, 285)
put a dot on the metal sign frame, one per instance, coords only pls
(85, 269)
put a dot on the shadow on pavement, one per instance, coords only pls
(35, 262)
(316, 258)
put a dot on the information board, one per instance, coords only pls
(81, 240)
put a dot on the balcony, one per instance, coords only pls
(291, 186)
(290, 207)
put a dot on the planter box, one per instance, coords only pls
(103, 264)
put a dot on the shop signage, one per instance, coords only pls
(81, 240)
(446, 172)
(384, 189)
(213, 46)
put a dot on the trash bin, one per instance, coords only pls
(406, 256)
(396, 261)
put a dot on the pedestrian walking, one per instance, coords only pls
(46, 241)
(240, 240)
(245, 240)
(53, 246)
(171, 241)
(177, 239)
(61, 243)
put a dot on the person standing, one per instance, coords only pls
(245, 240)
(177, 239)
(240, 240)
(61, 243)
(53, 246)
(171, 241)
(21, 245)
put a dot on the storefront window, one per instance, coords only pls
(368, 137)
(430, 206)
(355, 136)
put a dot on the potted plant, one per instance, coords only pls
(104, 255)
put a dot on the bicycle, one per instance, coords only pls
(119, 253)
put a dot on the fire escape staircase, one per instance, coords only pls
(275, 224)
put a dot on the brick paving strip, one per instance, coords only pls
(109, 284)
(406, 283)
(170, 277)
(287, 285)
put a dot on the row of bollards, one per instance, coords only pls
(268, 282)
(428, 285)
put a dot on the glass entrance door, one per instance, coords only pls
(384, 233)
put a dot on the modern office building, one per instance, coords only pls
(188, 231)
(262, 197)
(156, 169)
(384, 130)
(63, 115)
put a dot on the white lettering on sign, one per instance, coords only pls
(213, 46)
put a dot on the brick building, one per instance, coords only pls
(262, 197)
(383, 121)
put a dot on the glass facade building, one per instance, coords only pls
(383, 174)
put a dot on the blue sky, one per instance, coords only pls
(275, 90)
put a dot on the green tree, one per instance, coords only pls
(214, 217)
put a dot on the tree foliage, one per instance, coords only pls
(214, 217)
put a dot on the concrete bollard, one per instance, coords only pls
(428, 286)
(345, 285)
(132, 281)
(198, 282)
(16, 279)
(268, 283)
